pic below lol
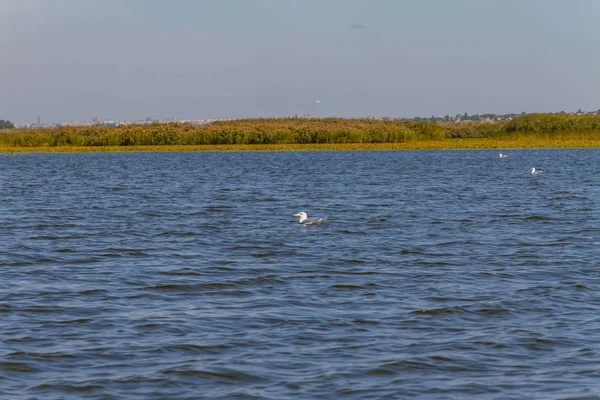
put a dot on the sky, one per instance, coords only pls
(67, 60)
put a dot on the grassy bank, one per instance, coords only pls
(452, 144)
(535, 130)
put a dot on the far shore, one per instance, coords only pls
(446, 144)
(285, 134)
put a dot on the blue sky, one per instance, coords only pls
(130, 59)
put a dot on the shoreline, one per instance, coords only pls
(446, 144)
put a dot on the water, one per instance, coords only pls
(438, 274)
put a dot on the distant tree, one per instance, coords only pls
(6, 124)
(579, 111)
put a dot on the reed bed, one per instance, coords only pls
(535, 130)
(554, 122)
(244, 132)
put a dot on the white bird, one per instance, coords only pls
(304, 220)
(536, 171)
(503, 155)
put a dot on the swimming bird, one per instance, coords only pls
(503, 155)
(304, 220)
(536, 171)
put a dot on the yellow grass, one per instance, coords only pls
(478, 143)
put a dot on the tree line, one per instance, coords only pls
(4, 124)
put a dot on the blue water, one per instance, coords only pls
(437, 275)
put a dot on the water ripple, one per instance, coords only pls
(183, 275)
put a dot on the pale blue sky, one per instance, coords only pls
(129, 59)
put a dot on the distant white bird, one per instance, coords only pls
(304, 220)
(536, 171)
(318, 101)
(503, 155)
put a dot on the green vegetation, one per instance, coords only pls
(6, 124)
(533, 130)
(249, 131)
(554, 122)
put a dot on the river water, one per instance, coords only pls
(438, 274)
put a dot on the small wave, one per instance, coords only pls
(44, 260)
(351, 261)
(361, 321)
(441, 358)
(59, 237)
(558, 198)
(255, 281)
(67, 322)
(539, 218)
(14, 366)
(376, 221)
(176, 233)
(493, 311)
(110, 255)
(347, 286)
(235, 293)
(66, 387)
(228, 374)
(172, 287)
(356, 272)
(557, 243)
(380, 371)
(218, 208)
(405, 251)
(31, 354)
(408, 365)
(454, 242)
(57, 225)
(538, 288)
(5, 308)
(440, 311)
(267, 199)
(499, 274)
(93, 291)
(247, 247)
(428, 254)
(262, 255)
(195, 348)
(112, 188)
(179, 273)
(130, 252)
(43, 309)
(439, 263)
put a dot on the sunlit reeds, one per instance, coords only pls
(554, 122)
(249, 131)
(535, 130)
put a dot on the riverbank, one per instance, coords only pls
(446, 144)
(279, 134)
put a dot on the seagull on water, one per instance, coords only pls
(304, 220)
(536, 171)
(503, 155)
